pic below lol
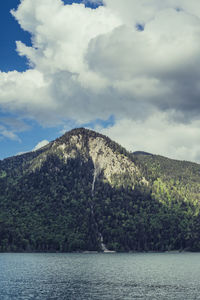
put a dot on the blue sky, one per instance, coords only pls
(9, 61)
(10, 32)
(118, 69)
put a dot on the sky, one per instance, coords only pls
(129, 69)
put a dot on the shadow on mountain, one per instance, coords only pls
(53, 208)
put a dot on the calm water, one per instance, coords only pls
(100, 276)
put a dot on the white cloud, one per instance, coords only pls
(88, 64)
(37, 147)
(158, 135)
(126, 53)
(40, 145)
(60, 85)
(60, 43)
(78, 65)
(144, 11)
(4, 132)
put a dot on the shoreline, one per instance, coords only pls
(100, 252)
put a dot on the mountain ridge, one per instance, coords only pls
(83, 190)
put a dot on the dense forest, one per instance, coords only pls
(49, 200)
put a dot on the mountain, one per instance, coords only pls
(85, 192)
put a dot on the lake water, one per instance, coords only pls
(100, 276)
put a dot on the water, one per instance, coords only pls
(100, 276)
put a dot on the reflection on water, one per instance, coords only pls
(100, 276)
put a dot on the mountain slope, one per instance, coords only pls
(181, 179)
(83, 190)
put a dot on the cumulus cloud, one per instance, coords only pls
(40, 145)
(37, 147)
(144, 11)
(158, 135)
(138, 61)
(77, 65)
(151, 65)
(59, 83)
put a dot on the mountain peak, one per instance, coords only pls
(108, 158)
(87, 135)
(81, 131)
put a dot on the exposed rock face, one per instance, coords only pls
(115, 167)
(112, 164)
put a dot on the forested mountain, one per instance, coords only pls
(83, 191)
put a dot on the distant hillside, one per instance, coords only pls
(83, 192)
(141, 153)
(181, 179)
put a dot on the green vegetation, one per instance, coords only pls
(47, 203)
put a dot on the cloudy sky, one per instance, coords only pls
(127, 68)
